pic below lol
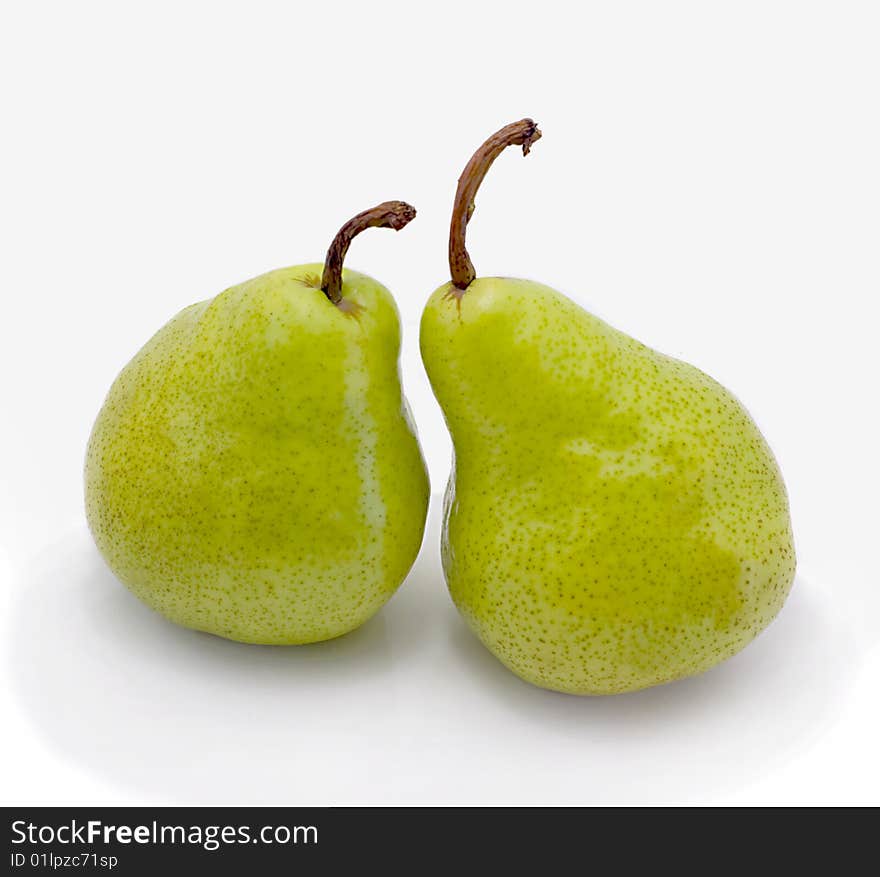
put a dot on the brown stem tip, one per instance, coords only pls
(523, 133)
(388, 214)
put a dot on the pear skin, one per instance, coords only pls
(254, 471)
(614, 518)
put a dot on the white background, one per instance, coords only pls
(708, 182)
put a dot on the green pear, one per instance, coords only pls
(254, 471)
(614, 518)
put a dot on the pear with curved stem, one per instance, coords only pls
(254, 471)
(614, 518)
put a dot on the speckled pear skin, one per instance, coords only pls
(614, 518)
(254, 471)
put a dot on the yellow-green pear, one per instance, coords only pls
(614, 518)
(254, 471)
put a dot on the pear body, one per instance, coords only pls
(614, 518)
(254, 471)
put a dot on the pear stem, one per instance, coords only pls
(388, 214)
(523, 133)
